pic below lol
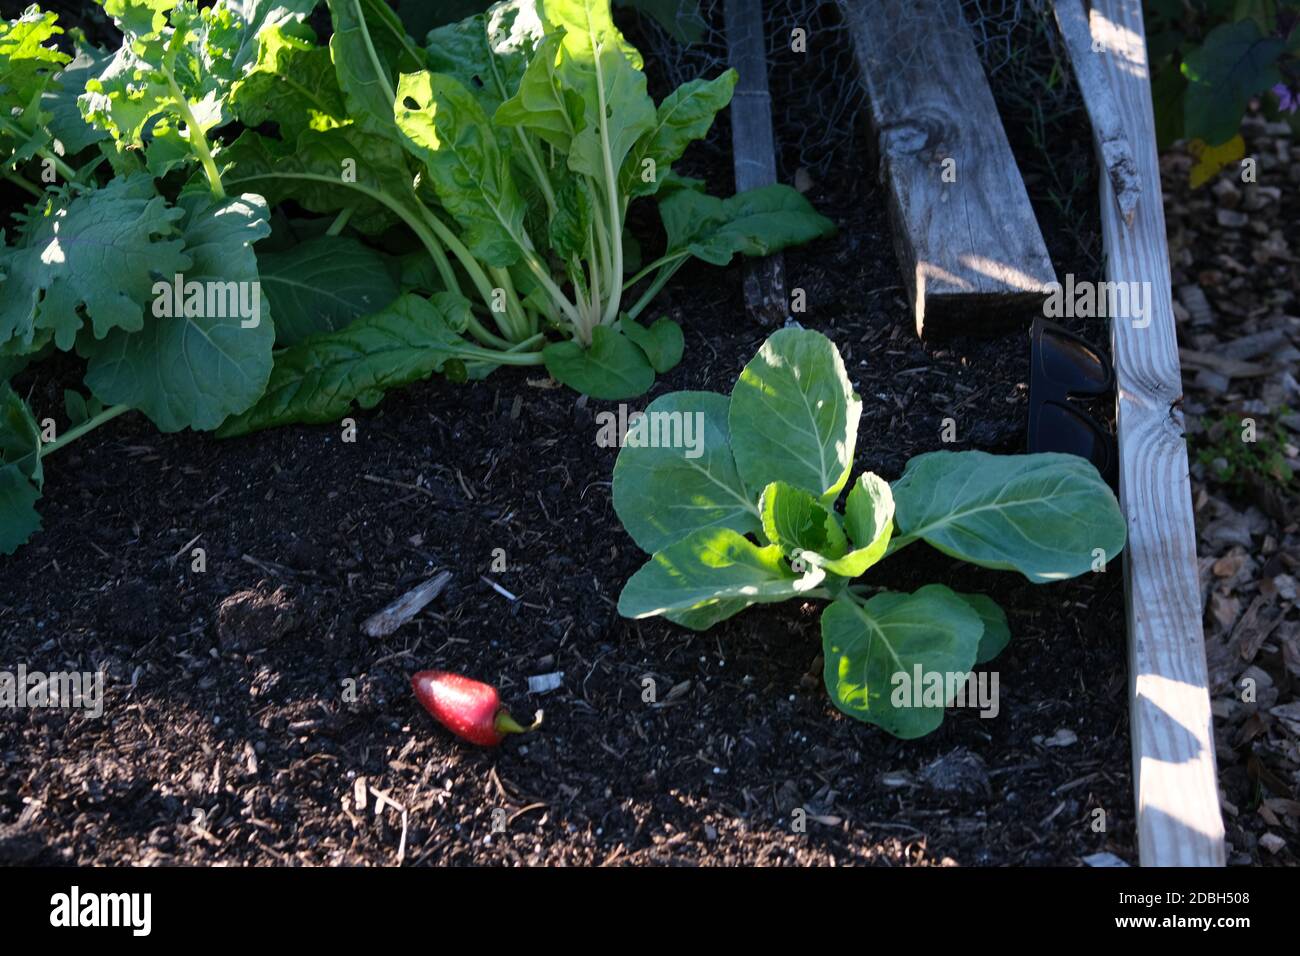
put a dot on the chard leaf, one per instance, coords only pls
(318, 380)
(444, 127)
(323, 284)
(617, 111)
(69, 244)
(997, 633)
(370, 49)
(292, 82)
(1043, 515)
(542, 105)
(325, 172)
(194, 370)
(612, 367)
(868, 517)
(797, 522)
(588, 26)
(753, 223)
(794, 416)
(869, 648)
(662, 343)
(488, 53)
(661, 493)
(684, 116)
(709, 566)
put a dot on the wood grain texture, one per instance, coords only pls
(1176, 787)
(969, 248)
(1103, 111)
(754, 147)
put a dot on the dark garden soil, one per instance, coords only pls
(243, 745)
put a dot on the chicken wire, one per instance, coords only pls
(817, 98)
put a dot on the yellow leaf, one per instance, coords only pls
(1211, 159)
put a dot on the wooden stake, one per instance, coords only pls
(754, 147)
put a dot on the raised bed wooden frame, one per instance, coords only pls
(1174, 777)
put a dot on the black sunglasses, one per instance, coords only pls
(1064, 367)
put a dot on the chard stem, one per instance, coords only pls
(340, 221)
(23, 184)
(198, 141)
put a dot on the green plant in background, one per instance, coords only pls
(1209, 59)
(1238, 463)
(747, 515)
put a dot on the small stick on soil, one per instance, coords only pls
(498, 588)
(385, 622)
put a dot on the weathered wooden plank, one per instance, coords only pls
(1113, 149)
(964, 230)
(1176, 788)
(754, 147)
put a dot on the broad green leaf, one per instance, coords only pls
(666, 487)
(868, 517)
(21, 477)
(997, 633)
(325, 172)
(195, 370)
(257, 18)
(488, 53)
(370, 50)
(1048, 516)
(794, 416)
(617, 111)
(1235, 62)
(318, 380)
(445, 128)
(20, 436)
(704, 616)
(874, 653)
(711, 565)
(612, 367)
(685, 116)
(754, 223)
(292, 83)
(70, 244)
(323, 284)
(541, 104)
(18, 517)
(588, 26)
(662, 343)
(795, 520)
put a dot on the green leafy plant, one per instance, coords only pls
(511, 146)
(747, 515)
(1209, 59)
(1240, 464)
(466, 206)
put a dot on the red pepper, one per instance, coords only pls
(468, 708)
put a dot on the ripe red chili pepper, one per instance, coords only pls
(468, 708)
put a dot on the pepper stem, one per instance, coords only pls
(505, 724)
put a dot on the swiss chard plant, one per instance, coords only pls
(510, 146)
(236, 226)
(746, 513)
